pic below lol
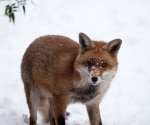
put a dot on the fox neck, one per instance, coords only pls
(76, 77)
(80, 78)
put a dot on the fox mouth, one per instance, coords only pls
(85, 94)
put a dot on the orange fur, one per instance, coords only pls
(57, 71)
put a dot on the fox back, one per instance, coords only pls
(57, 71)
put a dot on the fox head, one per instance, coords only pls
(97, 61)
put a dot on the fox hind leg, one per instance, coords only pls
(51, 112)
(33, 98)
(46, 109)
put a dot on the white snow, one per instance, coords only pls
(128, 99)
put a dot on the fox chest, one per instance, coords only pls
(84, 95)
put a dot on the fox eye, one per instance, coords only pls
(89, 64)
(103, 65)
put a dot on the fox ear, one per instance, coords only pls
(113, 46)
(85, 42)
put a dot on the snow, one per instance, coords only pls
(128, 99)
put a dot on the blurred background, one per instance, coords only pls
(128, 99)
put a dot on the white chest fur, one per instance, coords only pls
(88, 93)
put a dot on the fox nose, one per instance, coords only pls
(94, 79)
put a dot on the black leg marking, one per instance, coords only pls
(32, 122)
(53, 120)
(61, 120)
(100, 123)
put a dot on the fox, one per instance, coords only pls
(57, 71)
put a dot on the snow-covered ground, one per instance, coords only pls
(128, 99)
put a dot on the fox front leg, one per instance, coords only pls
(60, 110)
(94, 114)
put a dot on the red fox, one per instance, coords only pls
(56, 71)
